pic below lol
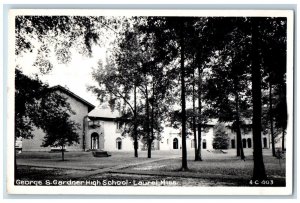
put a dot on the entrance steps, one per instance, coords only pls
(100, 153)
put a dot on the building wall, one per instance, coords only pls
(109, 135)
(169, 134)
(278, 142)
(112, 135)
(81, 111)
(207, 136)
(35, 143)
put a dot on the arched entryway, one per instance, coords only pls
(175, 143)
(265, 142)
(94, 141)
(232, 144)
(249, 143)
(119, 143)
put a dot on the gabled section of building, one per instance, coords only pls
(81, 108)
(100, 130)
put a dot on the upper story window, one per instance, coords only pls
(119, 126)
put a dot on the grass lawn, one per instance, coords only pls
(218, 166)
(85, 160)
(222, 164)
(216, 169)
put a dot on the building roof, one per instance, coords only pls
(75, 96)
(104, 113)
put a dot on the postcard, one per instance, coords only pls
(150, 102)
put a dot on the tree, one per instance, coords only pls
(233, 90)
(259, 172)
(116, 86)
(273, 46)
(133, 58)
(39, 106)
(221, 138)
(28, 93)
(60, 131)
(59, 35)
(210, 35)
(136, 65)
(171, 40)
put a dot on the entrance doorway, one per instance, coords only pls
(119, 143)
(94, 141)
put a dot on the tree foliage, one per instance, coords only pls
(221, 138)
(229, 61)
(38, 106)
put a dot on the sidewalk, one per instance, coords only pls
(82, 171)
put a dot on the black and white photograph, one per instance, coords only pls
(175, 101)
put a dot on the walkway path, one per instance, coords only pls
(83, 171)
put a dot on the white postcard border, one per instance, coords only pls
(129, 190)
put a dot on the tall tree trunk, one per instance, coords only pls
(259, 172)
(149, 140)
(152, 112)
(240, 149)
(62, 152)
(284, 116)
(239, 140)
(282, 141)
(194, 119)
(199, 155)
(135, 126)
(183, 111)
(15, 161)
(271, 119)
(238, 143)
(152, 125)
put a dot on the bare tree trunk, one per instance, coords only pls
(62, 152)
(183, 111)
(135, 126)
(199, 155)
(271, 119)
(152, 112)
(15, 161)
(238, 133)
(282, 141)
(194, 119)
(240, 149)
(238, 144)
(149, 141)
(259, 172)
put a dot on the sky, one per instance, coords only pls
(76, 75)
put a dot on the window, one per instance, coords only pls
(204, 144)
(265, 142)
(119, 143)
(175, 143)
(119, 126)
(233, 144)
(249, 142)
